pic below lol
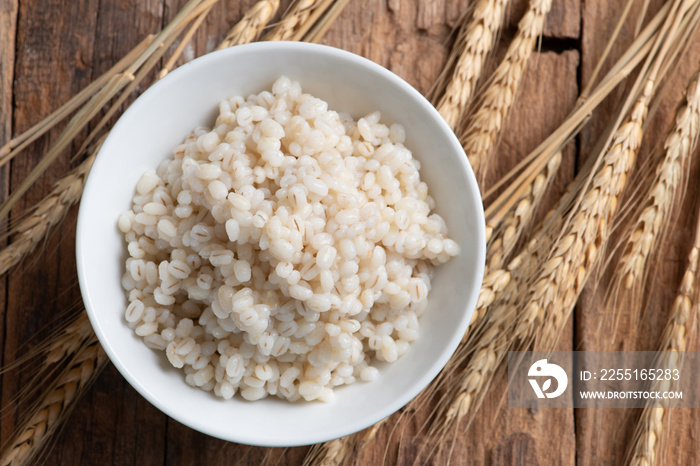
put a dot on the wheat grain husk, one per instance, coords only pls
(55, 406)
(474, 43)
(677, 334)
(252, 24)
(666, 188)
(483, 131)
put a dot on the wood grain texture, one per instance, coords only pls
(49, 68)
(57, 56)
(8, 24)
(60, 48)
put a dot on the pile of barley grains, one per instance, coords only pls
(284, 251)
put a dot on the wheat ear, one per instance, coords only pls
(335, 452)
(507, 320)
(32, 230)
(560, 256)
(477, 360)
(668, 183)
(487, 346)
(298, 20)
(63, 341)
(50, 412)
(484, 129)
(50, 357)
(565, 273)
(494, 282)
(77, 333)
(506, 234)
(252, 24)
(577, 253)
(474, 43)
(332, 453)
(675, 341)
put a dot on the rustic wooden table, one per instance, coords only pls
(49, 50)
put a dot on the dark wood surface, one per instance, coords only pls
(50, 49)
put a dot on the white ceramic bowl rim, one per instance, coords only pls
(91, 297)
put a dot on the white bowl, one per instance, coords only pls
(160, 119)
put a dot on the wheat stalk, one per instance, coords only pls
(179, 49)
(138, 78)
(319, 29)
(668, 182)
(113, 86)
(252, 24)
(674, 341)
(32, 230)
(50, 411)
(474, 43)
(298, 20)
(510, 229)
(483, 132)
(319, 11)
(21, 141)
